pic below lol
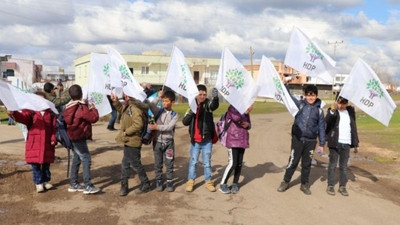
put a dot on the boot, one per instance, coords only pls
(144, 187)
(189, 185)
(124, 188)
(210, 186)
(159, 185)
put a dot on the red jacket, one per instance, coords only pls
(41, 133)
(79, 119)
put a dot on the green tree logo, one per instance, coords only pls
(278, 85)
(235, 78)
(183, 71)
(374, 89)
(124, 72)
(96, 98)
(106, 70)
(314, 53)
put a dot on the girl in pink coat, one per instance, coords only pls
(40, 143)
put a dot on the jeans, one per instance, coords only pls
(41, 173)
(111, 122)
(303, 150)
(81, 154)
(206, 149)
(132, 158)
(164, 152)
(341, 154)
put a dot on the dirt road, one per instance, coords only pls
(373, 187)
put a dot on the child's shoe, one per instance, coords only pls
(343, 191)
(330, 190)
(39, 188)
(76, 187)
(235, 188)
(210, 186)
(283, 187)
(48, 186)
(144, 187)
(124, 188)
(305, 188)
(223, 188)
(91, 189)
(170, 186)
(189, 185)
(159, 186)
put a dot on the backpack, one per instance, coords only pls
(222, 127)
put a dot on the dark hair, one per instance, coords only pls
(75, 91)
(170, 95)
(48, 87)
(60, 84)
(342, 100)
(202, 87)
(40, 93)
(311, 89)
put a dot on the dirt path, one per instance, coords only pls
(373, 187)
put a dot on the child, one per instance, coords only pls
(308, 124)
(132, 125)
(237, 139)
(341, 134)
(202, 131)
(40, 142)
(163, 144)
(79, 117)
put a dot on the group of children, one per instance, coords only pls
(338, 128)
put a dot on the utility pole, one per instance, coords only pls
(251, 60)
(335, 44)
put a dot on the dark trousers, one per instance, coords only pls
(132, 158)
(235, 157)
(41, 173)
(164, 152)
(342, 154)
(303, 150)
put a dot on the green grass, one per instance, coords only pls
(259, 107)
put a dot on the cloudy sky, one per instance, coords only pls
(54, 33)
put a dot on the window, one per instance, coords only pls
(213, 74)
(131, 69)
(308, 79)
(145, 70)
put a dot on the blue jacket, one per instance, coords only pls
(309, 121)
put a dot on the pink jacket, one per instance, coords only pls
(236, 135)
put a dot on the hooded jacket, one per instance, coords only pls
(236, 135)
(79, 119)
(132, 122)
(41, 133)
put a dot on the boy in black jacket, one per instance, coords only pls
(341, 134)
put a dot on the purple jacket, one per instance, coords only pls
(236, 135)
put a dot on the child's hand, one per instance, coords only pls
(245, 124)
(9, 113)
(153, 126)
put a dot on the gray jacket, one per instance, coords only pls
(166, 123)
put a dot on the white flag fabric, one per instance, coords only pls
(180, 79)
(271, 86)
(119, 71)
(365, 90)
(305, 56)
(99, 83)
(234, 83)
(16, 100)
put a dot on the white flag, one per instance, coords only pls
(305, 56)
(99, 83)
(119, 71)
(180, 79)
(16, 100)
(234, 83)
(365, 90)
(271, 86)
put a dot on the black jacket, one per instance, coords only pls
(206, 119)
(332, 127)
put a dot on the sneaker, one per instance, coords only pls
(159, 185)
(39, 188)
(76, 187)
(235, 188)
(48, 186)
(283, 187)
(111, 128)
(210, 186)
(330, 190)
(305, 188)
(189, 185)
(91, 189)
(343, 191)
(223, 188)
(170, 186)
(144, 187)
